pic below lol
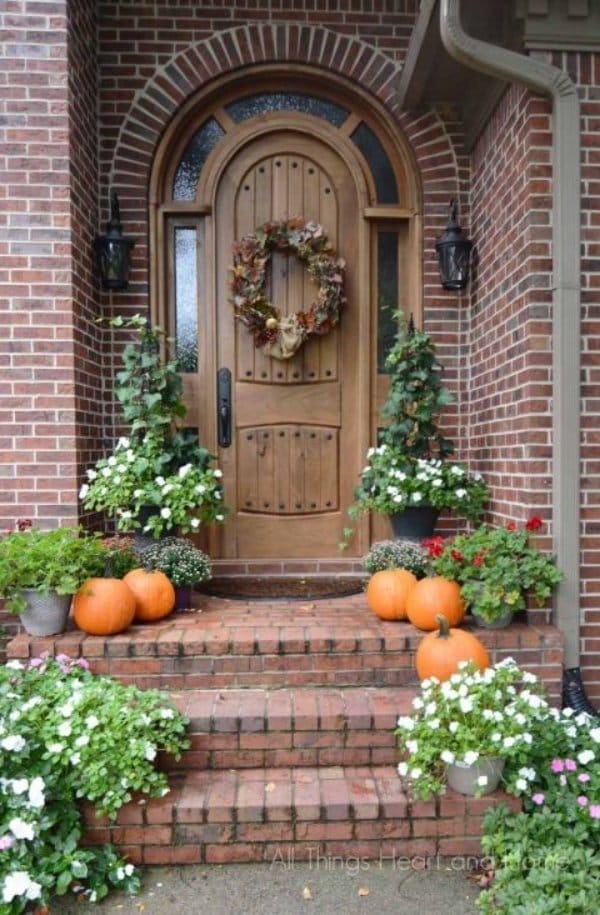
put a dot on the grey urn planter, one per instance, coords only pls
(463, 778)
(45, 614)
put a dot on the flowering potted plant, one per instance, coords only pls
(69, 736)
(464, 722)
(497, 568)
(41, 570)
(407, 476)
(396, 554)
(158, 478)
(183, 564)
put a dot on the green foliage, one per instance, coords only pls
(67, 736)
(390, 483)
(497, 567)
(475, 713)
(396, 554)
(416, 397)
(159, 466)
(183, 563)
(121, 556)
(58, 560)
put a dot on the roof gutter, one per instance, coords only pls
(566, 211)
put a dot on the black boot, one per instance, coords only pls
(573, 693)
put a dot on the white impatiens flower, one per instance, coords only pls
(64, 729)
(55, 747)
(219, 517)
(460, 493)
(84, 491)
(165, 512)
(21, 830)
(91, 722)
(595, 734)
(527, 773)
(586, 756)
(217, 473)
(167, 488)
(466, 704)
(447, 756)
(453, 727)
(91, 474)
(19, 785)
(82, 741)
(471, 757)
(417, 496)
(402, 769)
(521, 784)
(19, 883)
(167, 713)
(150, 752)
(183, 471)
(416, 773)
(412, 746)
(13, 742)
(36, 796)
(509, 742)
(482, 781)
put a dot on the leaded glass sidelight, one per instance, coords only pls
(186, 296)
(387, 294)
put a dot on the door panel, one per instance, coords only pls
(290, 471)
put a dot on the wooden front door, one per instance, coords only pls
(294, 456)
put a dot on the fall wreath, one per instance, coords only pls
(280, 335)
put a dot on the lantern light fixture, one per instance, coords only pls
(454, 253)
(113, 249)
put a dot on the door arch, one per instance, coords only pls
(300, 429)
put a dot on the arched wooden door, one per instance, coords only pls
(294, 456)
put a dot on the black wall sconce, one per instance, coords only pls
(454, 253)
(112, 250)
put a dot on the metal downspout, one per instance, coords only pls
(566, 319)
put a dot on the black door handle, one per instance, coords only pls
(224, 407)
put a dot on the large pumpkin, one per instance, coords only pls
(103, 606)
(432, 596)
(154, 594)
(387, 592)
(439, 653)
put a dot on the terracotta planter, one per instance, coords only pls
(415, 523)
(463, 778)
(46, 614)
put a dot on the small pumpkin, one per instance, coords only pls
(154, 594)
(103, 606)
(387, 592)
(431, 596)
(439, 653)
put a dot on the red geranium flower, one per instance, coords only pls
(478, 560)
(433, 545)
(456, 555)
(534, 524)
(511, 526)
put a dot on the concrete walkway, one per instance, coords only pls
(322, 887)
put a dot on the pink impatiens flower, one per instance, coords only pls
(594, 810)
(557, 765)
(570, 765)
(582, 800)
(538, 798)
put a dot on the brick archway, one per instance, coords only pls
(226, 52)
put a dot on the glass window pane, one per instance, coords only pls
(186, 298)
(387, 294)
(194, 157)
(378, 162)
(253, 105)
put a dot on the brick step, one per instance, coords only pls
(286, 814)
(250, 728)
(281, 643)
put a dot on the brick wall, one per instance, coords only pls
(37, 416)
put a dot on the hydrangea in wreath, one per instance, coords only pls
(497, 567)
(280, 336)
(158, 478)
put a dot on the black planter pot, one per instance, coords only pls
(415, 523)
(143, 539)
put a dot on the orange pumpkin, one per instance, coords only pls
(387, 592)
(154, 594)
(439, 653)
(103, 606)
(431, 596)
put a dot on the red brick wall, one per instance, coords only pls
(48, 213)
